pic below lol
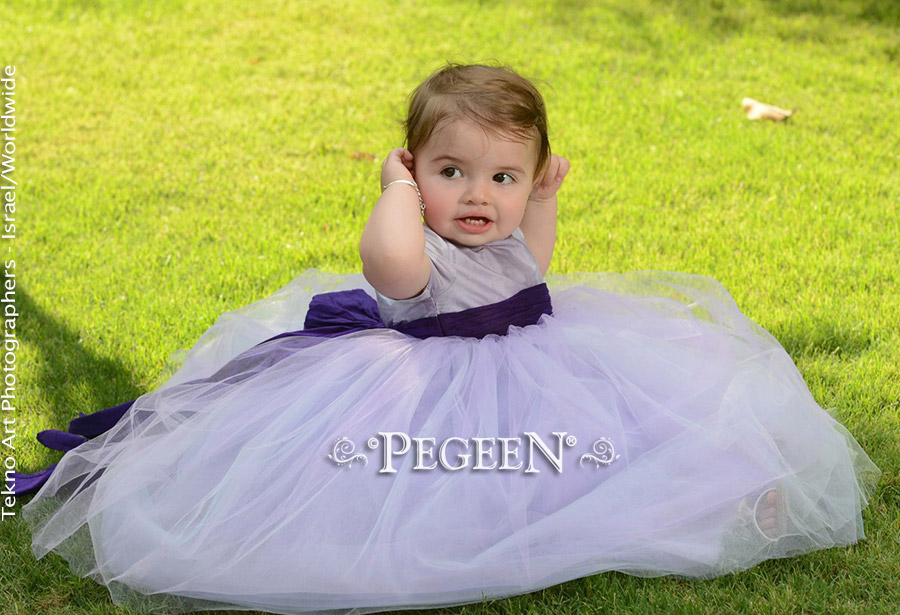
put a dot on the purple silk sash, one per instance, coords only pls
(329, 315)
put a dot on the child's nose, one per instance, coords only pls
(477, 191)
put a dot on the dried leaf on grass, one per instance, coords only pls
(756, 110)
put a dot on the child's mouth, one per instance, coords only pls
(474, 224)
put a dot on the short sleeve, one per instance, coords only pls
(443, 257)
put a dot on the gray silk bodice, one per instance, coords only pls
(463, 277)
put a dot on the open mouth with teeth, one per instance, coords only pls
(474, 224)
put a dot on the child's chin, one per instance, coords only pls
(474, 243)
(473, 240)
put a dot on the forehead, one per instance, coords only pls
(467, 140)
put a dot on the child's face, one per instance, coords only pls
(475, 184)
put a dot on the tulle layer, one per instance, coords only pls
(254, 478)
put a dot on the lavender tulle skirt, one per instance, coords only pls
(634, 429)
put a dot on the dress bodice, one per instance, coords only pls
(465, 277)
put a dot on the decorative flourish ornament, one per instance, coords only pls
(604, 453)
(342, 453)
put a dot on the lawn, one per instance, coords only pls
(177, 160)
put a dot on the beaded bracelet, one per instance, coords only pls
(409, 183)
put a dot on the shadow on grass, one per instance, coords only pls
(724, 18)
(825, 338)
(67, 377)
(884, 12)
(726, 15)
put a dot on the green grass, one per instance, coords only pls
(181, 159)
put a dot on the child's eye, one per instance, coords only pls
(504, 178)
(450, 172)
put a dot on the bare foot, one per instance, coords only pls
(766, 514)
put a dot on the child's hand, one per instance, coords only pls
(397, 165)
(546, 187)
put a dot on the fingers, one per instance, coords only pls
(564, 166)
(556, 172)
(559, 169)
(397, 154)
(407, 159)
(398, 164)
(547, 186)
(401, 155)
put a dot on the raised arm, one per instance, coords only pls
(539, 223)
(392, 246)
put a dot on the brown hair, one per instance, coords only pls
(496, 98)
